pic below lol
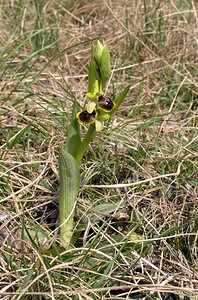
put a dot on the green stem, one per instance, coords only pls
(85, 143)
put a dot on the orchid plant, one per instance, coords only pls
(99, 109)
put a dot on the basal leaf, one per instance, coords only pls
(69, 187)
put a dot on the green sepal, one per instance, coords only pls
(69, 176)
(73, 136)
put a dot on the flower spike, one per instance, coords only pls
(99, 107)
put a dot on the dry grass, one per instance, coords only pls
(144, 163)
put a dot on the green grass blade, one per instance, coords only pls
(17, 137)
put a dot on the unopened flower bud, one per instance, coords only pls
(105, 66)
(98, 52)
(102, 59)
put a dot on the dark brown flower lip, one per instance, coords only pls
(87, 118)
(105, 103)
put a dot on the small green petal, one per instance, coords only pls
(99, 124)
(91, 106)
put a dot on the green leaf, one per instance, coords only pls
(69, 186)
(73, 136)
(85, 142)
(119, 99)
